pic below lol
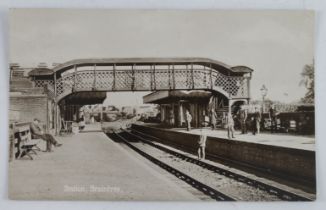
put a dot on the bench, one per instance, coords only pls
(23, 143)
(66, 127)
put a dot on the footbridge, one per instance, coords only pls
(69, 81)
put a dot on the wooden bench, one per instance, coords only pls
(23, 143)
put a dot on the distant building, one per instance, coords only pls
(147, 110)
(128, 109)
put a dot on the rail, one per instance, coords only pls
(281, 193)
(188, 179)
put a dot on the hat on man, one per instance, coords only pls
(37, 119)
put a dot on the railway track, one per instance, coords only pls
(296, 182)
(276, 193)
(216, 195)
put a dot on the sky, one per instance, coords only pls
(276, 44)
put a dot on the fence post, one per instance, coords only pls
(11, 142)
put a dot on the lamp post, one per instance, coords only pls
(263, 91)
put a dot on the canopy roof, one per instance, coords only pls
(40, 72)
(83, 98)
(176, 95)
(222, 67)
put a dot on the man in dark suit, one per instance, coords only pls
(243, 117)
(38, 133)
(272, 117)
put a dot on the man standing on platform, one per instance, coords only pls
(188, 119)
(243, 117)
(213, 119)
(257, 118)
(230, 124)
(202, 145)
(272, 117)
(37, 132)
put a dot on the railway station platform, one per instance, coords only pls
(90, 166)
(266, 138)
(278, 155)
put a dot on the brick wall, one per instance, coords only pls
(20, 82)
(29, 107)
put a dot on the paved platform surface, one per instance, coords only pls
(89, 166)
(278, 139)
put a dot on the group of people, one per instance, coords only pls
(254, 124)
(256, 120)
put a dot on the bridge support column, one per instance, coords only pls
(180, 114)
(172, 115)
(56, 125)
(162, 113)
(101, 114)
(230, 106)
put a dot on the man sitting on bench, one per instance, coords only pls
(37, 132)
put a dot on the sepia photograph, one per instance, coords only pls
(161, 105)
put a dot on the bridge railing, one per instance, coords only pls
(169, 77)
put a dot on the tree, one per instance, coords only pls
(308, 80)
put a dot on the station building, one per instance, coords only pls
(174, 104)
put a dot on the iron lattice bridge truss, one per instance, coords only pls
(150, 77)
